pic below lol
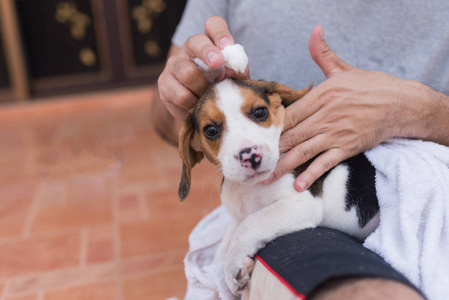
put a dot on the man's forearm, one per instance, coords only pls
(439, 129)
(163, 122)
(434, 111)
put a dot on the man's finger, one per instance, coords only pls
(173, 92)
(297, 156)
(200, 46)
(302, 109)
(299, 134)
(323, 55)
(217, 30)
(320, 165)
(189, 75)
(177, 112)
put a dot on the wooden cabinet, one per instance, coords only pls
(147, 28)
(77, 45)
(5, 84)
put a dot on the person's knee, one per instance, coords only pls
(365, 288)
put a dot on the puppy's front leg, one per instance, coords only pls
(223, 248)
(263, 226)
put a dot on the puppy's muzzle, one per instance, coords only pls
(251, 157)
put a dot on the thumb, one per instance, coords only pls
(323, 55)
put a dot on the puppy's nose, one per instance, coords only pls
(251, 157)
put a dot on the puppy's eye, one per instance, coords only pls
(260, 114)
(212, 132)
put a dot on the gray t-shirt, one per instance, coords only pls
(405, 38)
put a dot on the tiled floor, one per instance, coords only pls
(88, 201)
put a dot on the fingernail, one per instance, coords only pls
(213, 56)
(269, 179)
(303, 185)
(224, 42)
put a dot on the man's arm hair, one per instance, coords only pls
(163, 122)
(440, 120)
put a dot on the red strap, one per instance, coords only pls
(282, 280)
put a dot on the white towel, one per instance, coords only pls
(412, 183)
(205, 278)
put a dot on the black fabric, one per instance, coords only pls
(307, 258)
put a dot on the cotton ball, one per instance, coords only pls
(235, 58)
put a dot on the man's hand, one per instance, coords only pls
(181, 83)
(352, 111)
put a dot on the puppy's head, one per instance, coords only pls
(236, 124)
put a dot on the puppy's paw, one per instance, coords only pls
(237, 274)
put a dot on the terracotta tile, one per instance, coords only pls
(76, 148)
(164, 202)
(12, 228)
(15, 203)
(80, 146)
(73, 104)
(155, 262)
(39, 254)
(129, 202)
(85, 188)
(71, 216)
(129, 207)
(165, 155)
(61, 279)
(100, 291)
(138, 170)
(87, 203)
(204, 175)
(158, 286)
(155, 236)
(100, 246)
(29, 297)
(82, 164)
(51, 193)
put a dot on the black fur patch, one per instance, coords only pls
(184, 185)
(361, 187)
(317, 187)
(193, 121)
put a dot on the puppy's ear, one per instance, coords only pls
(287, 94)
(189, 156)
(290, 95)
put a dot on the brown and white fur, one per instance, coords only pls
(237, 126)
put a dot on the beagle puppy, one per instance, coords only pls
(236, 125)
